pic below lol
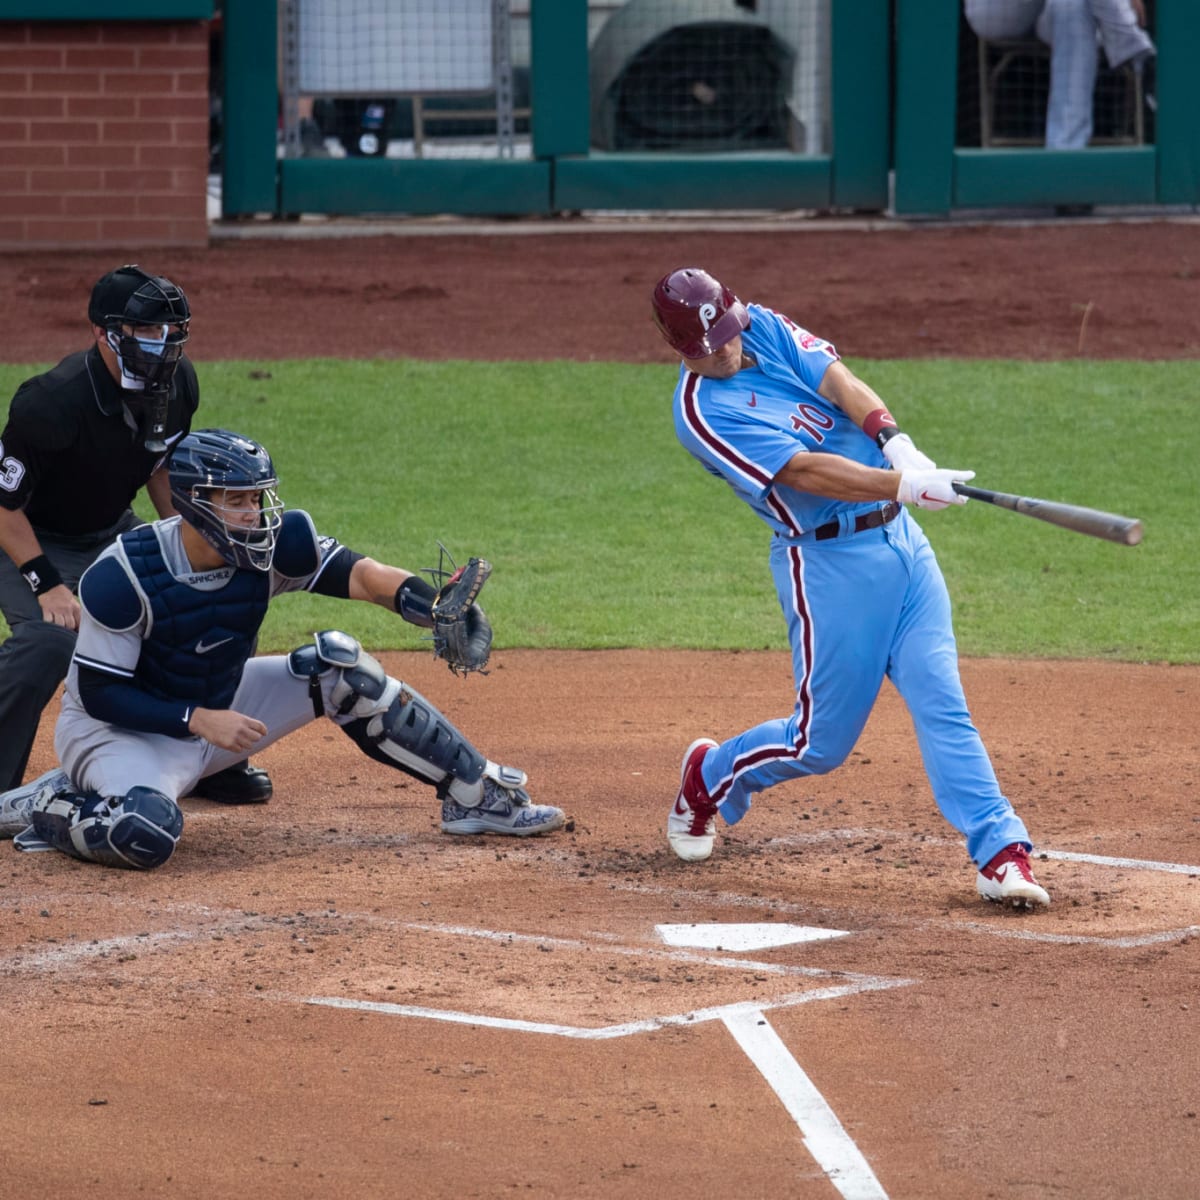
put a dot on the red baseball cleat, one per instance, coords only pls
(691, 825)
(1007, 879)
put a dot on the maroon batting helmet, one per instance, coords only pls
(696, 314)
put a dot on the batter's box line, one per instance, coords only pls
(61, 957)
(1103, 860)
(823, 1134)
(1131, 942)
(791, 908)
(722, 1012)
(1098, 860)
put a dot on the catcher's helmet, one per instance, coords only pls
(696, 314)
(129, 296)
(209, 460)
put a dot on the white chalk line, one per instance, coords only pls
(788, 908)
(824, 1135)
(1103, 860)
(1100, 860)
(696, 1016)
(1076, 939)
(227, 924)
(58, 957)
(231, 921)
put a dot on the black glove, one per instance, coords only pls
(462, 635)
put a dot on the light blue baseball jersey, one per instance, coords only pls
(747, 428)
(860, 607)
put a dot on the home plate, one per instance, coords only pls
(743, 937)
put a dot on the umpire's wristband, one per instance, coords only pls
(40, 574)
(414, 601)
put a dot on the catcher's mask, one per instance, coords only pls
(211, 462)
(145, 321)
(696, 314)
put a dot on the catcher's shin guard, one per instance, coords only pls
(138, 830)
(389, 721)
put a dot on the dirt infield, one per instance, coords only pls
(326, 997)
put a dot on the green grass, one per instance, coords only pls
(604, 532)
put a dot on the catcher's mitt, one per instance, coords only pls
(462, 635)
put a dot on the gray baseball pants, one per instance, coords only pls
(35, 658)
(109, 760)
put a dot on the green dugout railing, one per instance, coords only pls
(564, 174)
(893, 113)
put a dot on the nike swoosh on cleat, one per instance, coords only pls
(1001, 873)
(680, 812)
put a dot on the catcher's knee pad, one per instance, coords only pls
(138, 830)
(358, 681)
(388, 720)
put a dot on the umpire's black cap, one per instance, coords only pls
(132, 295)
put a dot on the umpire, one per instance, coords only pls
(80, 441)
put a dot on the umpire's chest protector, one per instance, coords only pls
(198, 640)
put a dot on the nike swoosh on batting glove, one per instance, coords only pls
(932, 489)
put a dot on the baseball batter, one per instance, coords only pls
(163, 689)
(771, 409)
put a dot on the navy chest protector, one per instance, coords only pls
(198, 641)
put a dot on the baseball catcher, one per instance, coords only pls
(164, 688)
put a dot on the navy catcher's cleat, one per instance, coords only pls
(1007, 879)
(502, 810)
(239, 784)
(691, 824)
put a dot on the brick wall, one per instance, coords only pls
(103, 134)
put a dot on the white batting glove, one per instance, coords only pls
(932, 489)
(903, 455)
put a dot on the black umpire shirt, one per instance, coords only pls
(71, 454)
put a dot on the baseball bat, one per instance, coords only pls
(1110, 526)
